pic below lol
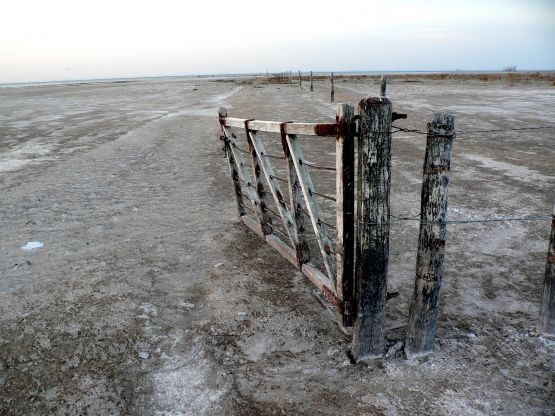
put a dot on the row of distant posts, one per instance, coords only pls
(332, 84)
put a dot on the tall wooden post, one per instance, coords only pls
(374, 179)
(222, 113)
(311, 84)
(383, 86)
(345, 193)
(547, 311)
(300, 79)
(423, 310)
(332, 96)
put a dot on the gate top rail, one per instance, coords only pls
(291, 128)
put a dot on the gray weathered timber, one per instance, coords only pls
(324, 242)
(345, 185)
(332, 94)
(383, 86)
(300, 79)
(423, 310)
(222, 113)
(265, 219)
(311, 83)
(546, 324)
(273, 184)
(306, 129)
(243, 174)
(374, 178)
(295, 199)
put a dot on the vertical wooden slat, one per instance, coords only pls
(295, 197)
(244, 175)
(311, 84)
(374, 178)
(222, 113)
(547, 311)
(300, 79)
(268, 171)
(307, 187)
(345, 184)
(423, 310)
(265, 218)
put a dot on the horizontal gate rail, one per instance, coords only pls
(305, 129)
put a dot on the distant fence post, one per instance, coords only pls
(311, 84)
(383, 86)
(345, 195)
(547, 311)
(300, 79)
(374, 179)
(332, 97)
(423, 310)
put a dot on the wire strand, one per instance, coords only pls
(505, 219)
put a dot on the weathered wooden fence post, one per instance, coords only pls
(300, 79)
(311, 84)
(423, 310)
(547, 311)
(374, 178)
(383, 85)
(345, 194)
(332, 97)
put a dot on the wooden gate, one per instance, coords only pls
(296, 199)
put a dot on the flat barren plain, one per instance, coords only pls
(148, 297)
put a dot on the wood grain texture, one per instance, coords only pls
(423, 312)
(345, 195)
(273, 185)
(243, 174)
(222, 113)
(265, 218)
(306, 129)
(374, 167)
(295, 198)
(546, 324)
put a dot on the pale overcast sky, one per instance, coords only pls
(82, 39)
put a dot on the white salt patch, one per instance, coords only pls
(518, 173)
(31, 245)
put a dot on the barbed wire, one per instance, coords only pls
(481, 220)
(469, 132)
